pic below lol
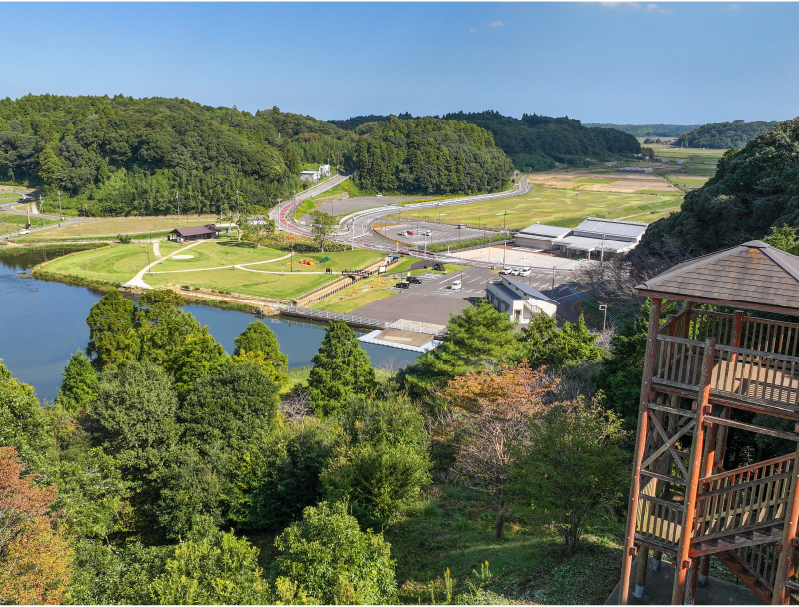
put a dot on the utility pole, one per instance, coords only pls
(604, 308)
(553, 280)
(177, 200)
(602, 252)
(60, 214)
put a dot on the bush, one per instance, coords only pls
(333, 561)
(124, 238)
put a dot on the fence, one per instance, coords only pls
(405, 325)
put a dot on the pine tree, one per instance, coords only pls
(78, 388)
(112, 333)
(341, 369)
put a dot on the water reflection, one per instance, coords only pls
(43, 323)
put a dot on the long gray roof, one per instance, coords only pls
(611, 228)
(752, 275)
(526, 289)
(545, 230)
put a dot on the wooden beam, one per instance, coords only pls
(640, 445)
(682, 562)
(790, 311)
(751, 428)
(780, 595)
(670, 409)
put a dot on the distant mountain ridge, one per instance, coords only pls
(647, 130)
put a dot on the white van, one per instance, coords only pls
(456, 286)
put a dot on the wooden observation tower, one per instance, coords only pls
(704, 372)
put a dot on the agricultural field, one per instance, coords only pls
(112, 227)
(696, 162)
(559, 207)
(602, 180)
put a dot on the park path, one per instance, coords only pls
(138, 280)
(253, 263)
(156, 250)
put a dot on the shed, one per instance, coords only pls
(206, 232)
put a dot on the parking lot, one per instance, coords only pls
(438, 233)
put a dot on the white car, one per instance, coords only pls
(456, 286)
(514, 272)
(525, 272)
(24, 231)
(505, 271)
(428, 232)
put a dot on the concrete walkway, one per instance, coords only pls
(138, 280)
(254, 263)
(659, 584)
(156, 250)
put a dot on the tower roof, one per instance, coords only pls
(753, 275)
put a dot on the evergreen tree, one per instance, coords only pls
(341, 369)
(22, 422)
(478, 336)
(79, 387)
(542, 343)
(257, 337)
(112, 332)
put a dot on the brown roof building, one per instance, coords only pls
(206, 232)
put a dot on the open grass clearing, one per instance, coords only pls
(117, 263)
(112, 227)
(625, 183)
(216, 253)
(12, 222)
(551, 206)
(451, 527)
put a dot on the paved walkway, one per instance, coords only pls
(156, 250)
(138, 280)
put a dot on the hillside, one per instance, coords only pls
(723, 135)
(647, 130)
(430, 156)
(538, 142)
(753, 189)
(118, 156)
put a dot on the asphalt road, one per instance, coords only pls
(441, 233)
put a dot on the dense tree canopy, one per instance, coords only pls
(537, 142)
(722, 135)
(753, 189)
(429, 156)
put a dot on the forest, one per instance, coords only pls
(723, 135)
(538, 142)
(647, 130)
(430, 156)
(753, 190)
(120, 156)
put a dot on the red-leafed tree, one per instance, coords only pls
(34, 555)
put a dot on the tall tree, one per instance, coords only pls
(79, 387)
(112, 332)
(542, 343)
(22, 422)
(322, 226)
(341, 369)
(35, 557)
(259, 339)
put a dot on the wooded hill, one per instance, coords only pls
(430, 156)
(646, 130)
(538, 142)
(722, 135)
(753, 189)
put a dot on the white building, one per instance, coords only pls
(542, 237)
(309, 175)
(519, 300)
(324, 170)
(593, 236)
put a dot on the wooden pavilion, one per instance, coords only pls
(702, 368)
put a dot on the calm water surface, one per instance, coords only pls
(43, 323)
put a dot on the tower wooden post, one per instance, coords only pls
(640, 447)
(789, 533)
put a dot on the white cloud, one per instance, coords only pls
(734, 7)
(472, 31)
(637, 6)
(496, 24)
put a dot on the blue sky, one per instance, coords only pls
(678, 62)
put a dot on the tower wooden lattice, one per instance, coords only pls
(703, 367)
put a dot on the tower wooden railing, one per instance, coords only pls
(747, 517)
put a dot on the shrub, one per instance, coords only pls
(333, 561)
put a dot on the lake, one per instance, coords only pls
(43, 323)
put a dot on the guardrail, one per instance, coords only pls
(405, 325)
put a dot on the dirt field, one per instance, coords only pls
(623, 183)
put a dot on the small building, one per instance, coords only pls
(610, 164)
(540, 236)
(324, 170)
(603, 236)
(187, 234)
(519, 300)
(309, 175)
(634, 170)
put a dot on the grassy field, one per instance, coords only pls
(112, 227)
(558, 207)
(11, 222)
(698, 162)
(451, 528)
(119, 263)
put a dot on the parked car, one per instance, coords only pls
(23, 231)
(525, 272)
(403, 285)
(504, 271)
(379, 195)
(414, 280)
(461, 226)
(410, 233)
(514, 272)
(402, 234)
(456, 286)
(428, 232)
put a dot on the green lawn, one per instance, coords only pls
(217, 253)
(361, 293)
(117, 263)
(112, 227)
(554, 207)
(11, 222)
